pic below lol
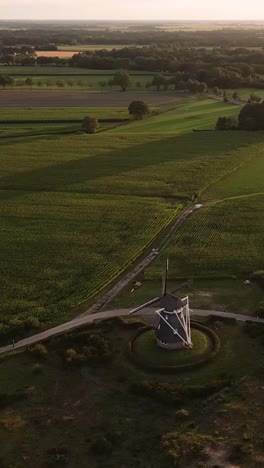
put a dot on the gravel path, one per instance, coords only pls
(82, 321)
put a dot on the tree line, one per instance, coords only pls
(217, 67)
(45, 35)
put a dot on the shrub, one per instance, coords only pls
(183, 413)
(184, 447)
(226, 123)
(37, 369)
(39, 350)
(90, 125)
(138, 109)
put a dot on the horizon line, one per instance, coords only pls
(138, 20)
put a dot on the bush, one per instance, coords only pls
(91, 348)
(177, 394)
(37, 369)
(185, 447)
(39, 350)
(138, 109)
(226, 123)
(90, 125)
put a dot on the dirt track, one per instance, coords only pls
(27, 98)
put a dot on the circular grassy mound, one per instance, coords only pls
(145, 352)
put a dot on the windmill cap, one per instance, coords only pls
(171, 303)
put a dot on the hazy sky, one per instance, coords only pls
(132, 9)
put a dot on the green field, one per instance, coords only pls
(78, 209)
(217, 241)
(197, 114)
(60, 113)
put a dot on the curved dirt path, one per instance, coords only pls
(82, 321)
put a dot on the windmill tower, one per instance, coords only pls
(173, 331)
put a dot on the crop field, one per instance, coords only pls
(219, 240)
(76, 210)
(196, 114)
(67, 247)
(249, 179)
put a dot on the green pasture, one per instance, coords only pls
(219, 240)
(61, 113)
(197, 114)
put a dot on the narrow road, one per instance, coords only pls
(128, 277)
(82, 321)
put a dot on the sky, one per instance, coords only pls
(130, 10)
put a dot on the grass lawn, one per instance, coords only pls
(146, 348)
(230, 295)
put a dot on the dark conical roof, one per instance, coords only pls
(171, 303)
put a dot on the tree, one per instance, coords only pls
(6, 80)
(29, 82)
(216, 91)
(251, 117)
(225, 96)
(138, 109)
(235, 95)
(158, 81)
(226, 123)
(254, 98)
(90, 124)
(122, 79)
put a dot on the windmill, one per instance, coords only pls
(173, 331)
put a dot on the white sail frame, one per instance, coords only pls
(183, 316)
